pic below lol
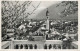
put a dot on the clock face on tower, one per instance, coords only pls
(47, 17)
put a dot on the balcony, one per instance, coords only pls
(25, 44)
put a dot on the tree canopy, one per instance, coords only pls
(13, 11)
(71, 8)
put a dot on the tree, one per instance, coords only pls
(14, 10)
(11, 12)
(71, 8)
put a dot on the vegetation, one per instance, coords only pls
(71, 8)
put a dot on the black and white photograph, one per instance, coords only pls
(39, 25)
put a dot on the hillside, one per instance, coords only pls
(54, 13)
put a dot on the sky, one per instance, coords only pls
(54, 11)
(40, 11)
(43, 5)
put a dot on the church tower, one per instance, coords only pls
(47, 21)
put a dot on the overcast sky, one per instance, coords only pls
(43, 5)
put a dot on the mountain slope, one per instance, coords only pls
(54, 13)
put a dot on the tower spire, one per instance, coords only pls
(47, 21)
(47, 12)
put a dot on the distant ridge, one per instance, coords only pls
(54, 13)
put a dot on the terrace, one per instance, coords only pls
(21, 44)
